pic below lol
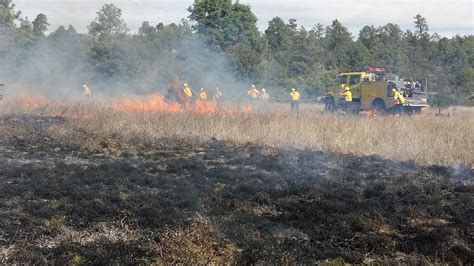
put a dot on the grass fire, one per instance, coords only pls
(140, 180)
(218, 140)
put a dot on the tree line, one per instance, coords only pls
(224, 34)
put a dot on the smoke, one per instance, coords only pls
(54, 67)
(58, 65)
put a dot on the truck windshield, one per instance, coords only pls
(355, 80)
(342, 80)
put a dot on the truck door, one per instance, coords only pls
(355, 84)
(354, 81)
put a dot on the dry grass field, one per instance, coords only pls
(89, 182)
(428, 139)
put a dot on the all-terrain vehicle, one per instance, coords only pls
(372, 91)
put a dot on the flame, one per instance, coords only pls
(52, 108)
(31, 102)
(247, 109)
(154, 103)
(371, 113)
(206, 107)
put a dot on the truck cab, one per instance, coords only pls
(368, 91)
(371, 90)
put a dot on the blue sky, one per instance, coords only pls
(447, 17)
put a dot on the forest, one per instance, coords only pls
(218, 44)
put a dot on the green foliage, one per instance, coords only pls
(244, 60)
(222, 36)
(442, 100)
(230, 27)
(111, 49)
(8, 16)
(40, 25)
(338, 42)
(224, 23)
(278, 35)
(108, 23)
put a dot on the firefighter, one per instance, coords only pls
(187, 94)
(399, 101)
(295, 98)
(86, 91)
(264, 95)
(253, 93)
(203, 95)
(216, 97)
(347, 99)
(201, 103)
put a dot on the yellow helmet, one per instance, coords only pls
(348, 89)
(185, 84)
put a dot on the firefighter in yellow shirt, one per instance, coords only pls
(399, 101)
(187, 95)
(86, 91)
(295, 98)
(347, 100)
(253, 93)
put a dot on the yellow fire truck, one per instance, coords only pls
(372, 90)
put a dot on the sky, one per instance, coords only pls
(446, 17)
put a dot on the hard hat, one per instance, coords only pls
(253, 86)
(202, 89)
(263, 89)
(293, 89)
(394, 90)
(348, 89)
(185, 84)
(84, 85)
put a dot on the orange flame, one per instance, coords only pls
(206, 107)
(30, 102)
(247, 109)
(154, 103)
(52, 108)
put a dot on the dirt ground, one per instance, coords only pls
(100, 201)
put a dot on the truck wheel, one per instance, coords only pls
(378, 106)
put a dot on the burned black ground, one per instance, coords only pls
(96, 200)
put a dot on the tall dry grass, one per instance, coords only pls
(426, 139)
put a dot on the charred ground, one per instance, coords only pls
(93, 200)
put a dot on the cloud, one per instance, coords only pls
(447, 17)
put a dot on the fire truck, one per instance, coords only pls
(372, 91)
